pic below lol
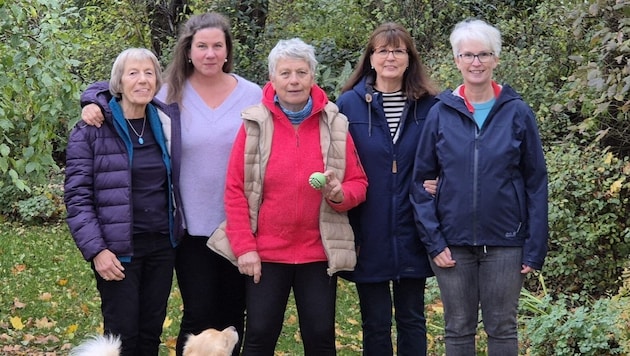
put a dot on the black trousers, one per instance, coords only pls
(315, 294)
(135, 307)
(213, 291)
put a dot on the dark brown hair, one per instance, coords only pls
(416, 80)
(180, 68)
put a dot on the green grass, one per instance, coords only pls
(49, 301)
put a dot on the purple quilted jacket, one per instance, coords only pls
(98, 183)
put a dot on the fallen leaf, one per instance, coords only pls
(17, 304)
(5, 338)
(291, 320)
(171, 344)
(44, 323)
(16, 322)
(18, 268)
(609, 158)
(45, 296)
(616, 186)
(72, 329)
(46, 339)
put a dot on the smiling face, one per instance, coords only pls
(292, 81)
(138, 82)
(476, 73)
(208, 51)
(390, 62)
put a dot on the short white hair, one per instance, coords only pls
(294, 48)
(476, 30)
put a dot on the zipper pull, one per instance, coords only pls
(394, 167)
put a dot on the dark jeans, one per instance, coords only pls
(376, 315)
(315, 294)
(213, 291)
(135, 307)
(483, 276)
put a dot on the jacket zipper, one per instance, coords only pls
(475, 183)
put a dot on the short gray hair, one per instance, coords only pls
(294, 48)
(477, 30)
(140, 54)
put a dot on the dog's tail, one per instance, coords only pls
(98, 345)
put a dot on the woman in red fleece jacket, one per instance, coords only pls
(285, 234)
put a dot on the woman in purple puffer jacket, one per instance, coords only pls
(121, 197)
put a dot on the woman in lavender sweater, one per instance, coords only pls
(211, 99)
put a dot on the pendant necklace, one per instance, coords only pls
(140, 139)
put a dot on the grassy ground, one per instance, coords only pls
(49, 302)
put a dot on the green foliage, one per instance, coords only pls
(337, 50)
(589, 228)
(106, 28)
(598, 90)
(249, 19)
(49, 301)
(48, 296)
(560, 330)
(568, 59)
(37, 89)
(528, 49)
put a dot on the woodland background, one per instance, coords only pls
(569, 60)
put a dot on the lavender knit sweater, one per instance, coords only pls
(207, 137)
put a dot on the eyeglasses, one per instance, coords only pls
(482, 57)
(398, 52)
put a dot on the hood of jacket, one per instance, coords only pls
(320, 99)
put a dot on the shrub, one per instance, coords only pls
(560, 330)
(41, 204)
(589, 239)
(38, 92)
(598, 89)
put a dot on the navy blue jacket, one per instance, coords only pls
(387, 242)
(493, 180)
(98, 180)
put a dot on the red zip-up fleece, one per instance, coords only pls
(288, 220)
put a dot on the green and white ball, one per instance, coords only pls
(317, 180)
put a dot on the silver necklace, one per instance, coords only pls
(140, 139)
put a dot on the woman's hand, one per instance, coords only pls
(249, 264)
(108, 266)
(444, 259)
(92, 115)
(526, 269)
(333, 190)
(430, 185)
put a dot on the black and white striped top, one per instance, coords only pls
(393, 105)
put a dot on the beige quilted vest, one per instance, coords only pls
(337, 235)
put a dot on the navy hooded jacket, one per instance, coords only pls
(387, 242)
(492, 188)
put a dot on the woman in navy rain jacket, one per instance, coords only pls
(120, 191)
(486, 227)
(386, 101)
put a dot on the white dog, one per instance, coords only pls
(98, 345)
(210, 342)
